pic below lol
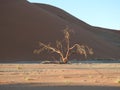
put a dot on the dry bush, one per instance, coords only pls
(64, 54)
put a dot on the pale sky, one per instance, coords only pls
(101, 13)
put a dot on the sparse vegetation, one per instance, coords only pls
(19, 67)
(118, 81)
(28, 78)
(64, 54)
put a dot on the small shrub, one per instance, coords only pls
(118, 81)
(19, 67)
(28, 78)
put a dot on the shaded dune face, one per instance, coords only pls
(23, 24)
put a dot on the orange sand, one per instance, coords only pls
(60, 74)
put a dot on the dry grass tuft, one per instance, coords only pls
(117, 81)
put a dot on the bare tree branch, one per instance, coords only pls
(82, 49)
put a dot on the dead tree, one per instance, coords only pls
(64, 54)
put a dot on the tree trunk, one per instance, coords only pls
(65, 61)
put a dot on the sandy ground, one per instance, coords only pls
(36, 76)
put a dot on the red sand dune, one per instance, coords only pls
(23, 24)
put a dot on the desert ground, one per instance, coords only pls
(84, 75)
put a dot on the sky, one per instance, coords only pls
(100, 13)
